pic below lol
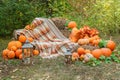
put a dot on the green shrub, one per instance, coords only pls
(15, 14)
(101, 14)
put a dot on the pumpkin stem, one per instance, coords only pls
(110, 37)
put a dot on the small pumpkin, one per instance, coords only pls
(111, 44)
(20, 56)
(4, 53)
(106, 52)
(22, 38)
(13, 48)
(18, 44)
(72, 24)
(95, 42)
(10, 44)
(81, 57)
(87, 51)
(83, 41)
(18, 52)
(91, 39)
(81, 51)
(87, 57)
(35, 52)
(75, 55)
(30, 39)
(11, 54)
(97, 53)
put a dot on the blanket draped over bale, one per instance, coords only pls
(47, 38)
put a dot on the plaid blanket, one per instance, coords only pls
(47, 38)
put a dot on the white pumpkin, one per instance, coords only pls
(87, 57)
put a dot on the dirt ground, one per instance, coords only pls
(56, 69)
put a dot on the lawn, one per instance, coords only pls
(56, 69)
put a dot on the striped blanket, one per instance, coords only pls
(47, 38)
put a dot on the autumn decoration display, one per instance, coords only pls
(86, 36)
(14, 48)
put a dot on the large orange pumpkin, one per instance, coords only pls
(18, 44)
(11, 54)
(18, 52)
(10, 44)
(81, 51)
(106, 52)
(111, 44)
(72, 24)
(13, 48)
(97, 53)
(22, 38)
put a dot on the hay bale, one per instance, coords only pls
(59, 22)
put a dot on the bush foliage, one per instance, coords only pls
(101, 14)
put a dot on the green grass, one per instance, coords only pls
(56, 69)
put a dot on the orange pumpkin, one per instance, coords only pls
(81, 51)
(83, 41)
(95, 42)
(4, 53)
(72, 24)
(20, 56)
(111, 44)
(18, 52)
(81, 57)
(97, 53)
(35, 52)
(91, 39)
(75, 55)
(18, 44)
(11, 54)
(106, 52)
(87, 51)
(30, 39)
(13, 48)
(10, 44)
(22, 38)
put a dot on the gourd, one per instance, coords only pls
(11, 54)
(106, 52)
(81, 51)
(18, 52)
(35, 52)
(97, 53)
(83, 41)
(111, 44)
(4, 53)
(22, 38)
(72, 24)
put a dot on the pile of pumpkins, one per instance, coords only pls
(89, 36)
(14, 48)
